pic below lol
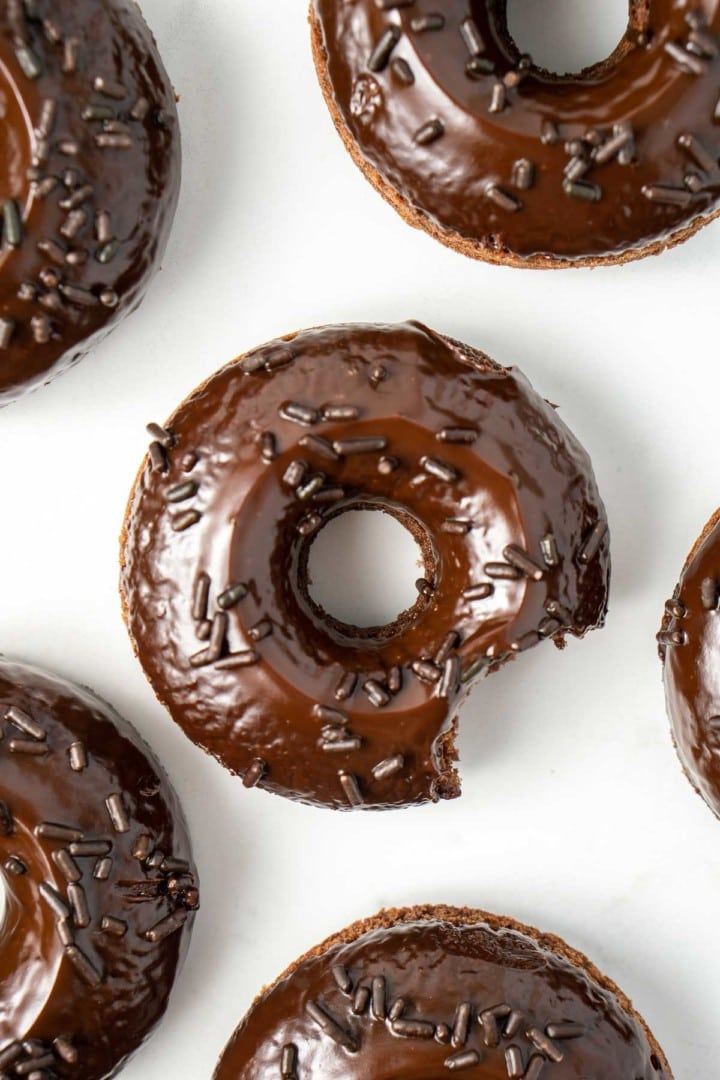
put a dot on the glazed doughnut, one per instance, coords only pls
(99, 879)
(92, 171)
(420, 992)
(689, 642)
(498, 494)
(504, 161)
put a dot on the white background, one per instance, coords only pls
(576, 817)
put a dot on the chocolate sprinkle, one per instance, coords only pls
(548, 546)
(185, 520)
(471, 36)
(321, 447)
(329, 1025)
(519, 558)
(479, 592)
(254, 773)
(181, 492)
(413, 1029)
(342, 977)
(232, 596)
(299, 414)
(380, 56)
(402, 71)
(288, 1061)
(388, 767)
(377, 1002)
(439, 469)
(502, 571)
(361, 1000)
(241, 659)
(376, 693)
(426, 670)
(672, 637)
(83, 965)
(502, 198)
(369, 444)
(582, 189)
(78, 757)
(48, 830)
(339, 412)
(351, 788)
(397, 1008)
(113, 926)
(514, 1062)
(515, 1021)
(592, 543)
(167, 926)
(430, 132)
(346, 686)
(461, 1024)
(523, 174)
(565, 1029)
(421, 24)
(467, 1059)
(461, 435)
(546, 1046)
(25, 723)
(117, 813)
(536, 1065)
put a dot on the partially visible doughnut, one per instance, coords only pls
(504, 161)
(689, 644)
(498, 493)
(418, 993)
(90, 148)
(100, 884)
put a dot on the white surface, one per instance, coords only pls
(575, 817)
(363, 567)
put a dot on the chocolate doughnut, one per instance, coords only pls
(498, 494)
(92, 171)
(689, 645)
(420, 992)
(99, 879)
(507, 162)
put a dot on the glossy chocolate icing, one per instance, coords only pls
(101, 888)
(91, 152)
(444, 987)
(499, 494)
(689, 642)
(481, 161)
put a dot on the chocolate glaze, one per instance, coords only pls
(425, 133)
(689, 641)
(99, 913)
(93, 169)
(469, 458)
(463, 978)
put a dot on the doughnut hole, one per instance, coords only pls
(566, 36)
(363, 568)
